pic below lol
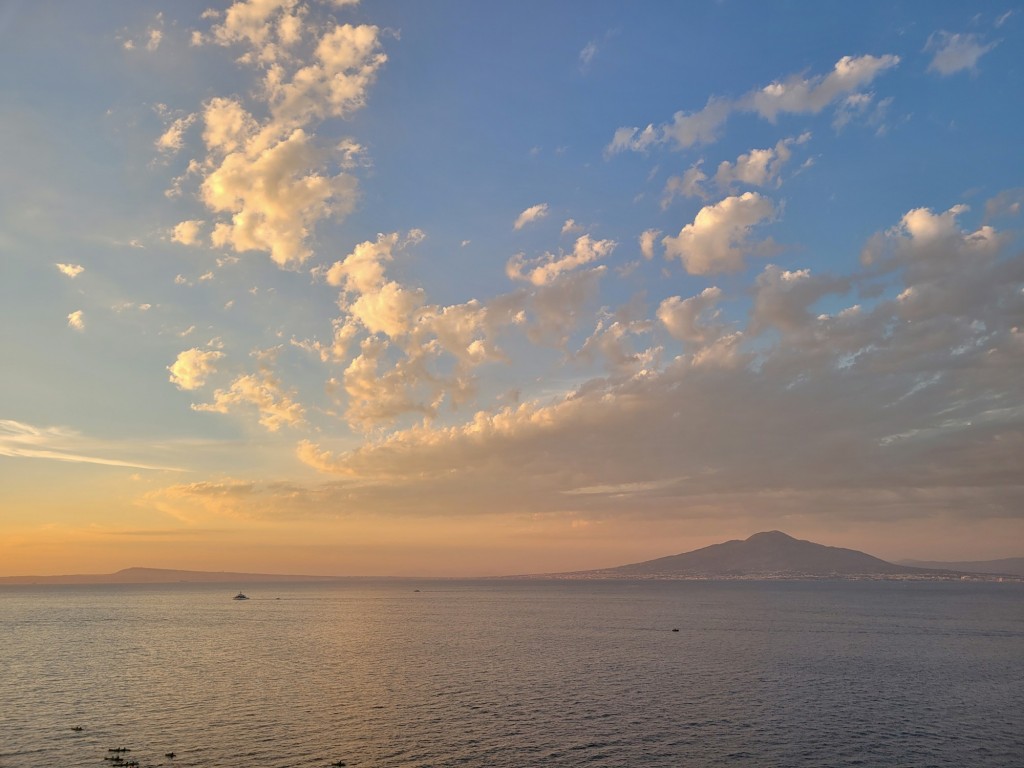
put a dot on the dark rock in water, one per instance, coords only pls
(169, 754)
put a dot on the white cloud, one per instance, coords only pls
(187, 232)
(193, 367)
(570, 227)
(693, 320)
(173, 139)
(76, 320)
(648, 238)
(21, 440)
(274, 406)
(71, 270)
(530, 215)
(719, 237)
(796, 94)
(587, 54)
(687, 185)
(803, 95)
(956, 52)
(549, 266)
(275, 197)
(267, 178)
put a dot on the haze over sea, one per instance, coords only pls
(514, 673)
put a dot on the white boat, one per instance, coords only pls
(240, 596)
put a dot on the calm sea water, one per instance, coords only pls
(514, 674)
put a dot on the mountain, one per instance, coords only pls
(771, 554)
(1008, 565)
(159, 576)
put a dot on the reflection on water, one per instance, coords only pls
(513, 674)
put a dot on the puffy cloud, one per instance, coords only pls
(268, 178)
(718, 238)
(71, 270)
(956, 52)
(801, 95)
(796, 94)
(862, 414)
(275, 197)
(548, 267)
(530, 215)
(172, 139)
(693, 320)
(571, 227)
(687, 185)
(274, 406)
(187, 232)
(390, 309)
(193, 367)
(76, 320)
(759, 167)
(648, 238)
(699, 127)
(362, 270)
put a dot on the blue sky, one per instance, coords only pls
(476, 288)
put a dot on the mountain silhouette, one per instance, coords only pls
(771, 553)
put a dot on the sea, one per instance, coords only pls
(513, 673)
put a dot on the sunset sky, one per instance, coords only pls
(468, 288)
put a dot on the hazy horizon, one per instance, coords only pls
(463, 289)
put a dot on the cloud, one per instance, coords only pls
(782, 298)
(719, 237)
(549, 266)
(193, 367)
(275, 407)
(187, 232)
(76, 320)
(693, 320)
(648, 238)
(868, 413)
(71, 270)
(571, 227)
(956, 52)
(21, 440)
(173, 138)
(267, 179)
(587, 54)
(796, 94)
(530, 215)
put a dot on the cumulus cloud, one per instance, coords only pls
(76, 320)
(193, 367)
(187, 232)
(956, 52)
(173, 138)
(275, 407)
(719, 237)
(860, 414)
(648, 239)
(71, 270)
(268, 179)
(797, 94)
(530, 215)
(695, 319)
(549, 266)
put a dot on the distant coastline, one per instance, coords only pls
(766, 556)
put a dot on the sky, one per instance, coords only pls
(460, 288)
